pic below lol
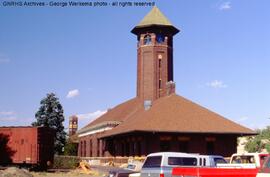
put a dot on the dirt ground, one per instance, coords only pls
(73, 173)
(16, 172)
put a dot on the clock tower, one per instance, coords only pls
(154, 56)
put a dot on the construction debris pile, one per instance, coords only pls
(86, 169)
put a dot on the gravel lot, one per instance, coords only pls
(74, 173)
(16, 172)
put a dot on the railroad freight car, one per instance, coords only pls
(26, 146)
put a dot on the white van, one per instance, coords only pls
(249, 158)
(161, 164)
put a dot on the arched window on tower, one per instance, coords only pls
(160, 38)
(147, 39)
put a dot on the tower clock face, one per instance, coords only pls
(160, 38)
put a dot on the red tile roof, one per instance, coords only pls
(175, 114)
(118, 113)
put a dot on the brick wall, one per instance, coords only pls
(141, 144)
(154, 67)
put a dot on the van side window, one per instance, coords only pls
(182, 161)
(204, 162)
(152, 161)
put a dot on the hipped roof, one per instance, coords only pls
(155, 18)
(177, 115)
(118, 113)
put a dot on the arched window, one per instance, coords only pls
(160, 38)
(147, 39)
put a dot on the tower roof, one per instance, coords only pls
(155, 18)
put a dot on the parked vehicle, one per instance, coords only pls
(214, 172)
(161, 164)
(226, 172)
(27, 146)
(249, 158)
(265, 170)
(132, 168)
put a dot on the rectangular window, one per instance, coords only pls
(183, 146)
(98, 150)
(102, 148)
(127, 149)
(152, 161)
(132, 148)
(159, 63)
(165, 146)
(182, 161)
(159, 83)
(210, 147)
(122, 149)
(84, 148)
(139, 148)
(81, 149)
(90, 147)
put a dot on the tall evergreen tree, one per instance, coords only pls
(51, 114)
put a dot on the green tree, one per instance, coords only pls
(259, 142)
(51, 114)
(254, 144)
(71, 148)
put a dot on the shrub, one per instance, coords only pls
(66, 162)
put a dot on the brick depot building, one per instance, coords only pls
(157, 119)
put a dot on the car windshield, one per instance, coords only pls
(152, 161)
(131, 166)
(219, 160)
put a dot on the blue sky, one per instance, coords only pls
(87, 56)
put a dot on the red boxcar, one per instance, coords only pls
(29, 146)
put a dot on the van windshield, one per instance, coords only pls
(182, 161)
(219, 160)
(152, 161)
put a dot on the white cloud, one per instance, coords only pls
(8, 116)
(225, 6)
(85, 119)
(4, 59)
(242, 119)
(91, 115)
(11, 118)
(73, 93)
(7, 113)
(217, 84)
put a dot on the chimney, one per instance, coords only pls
(147, 104)
(170, 88)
